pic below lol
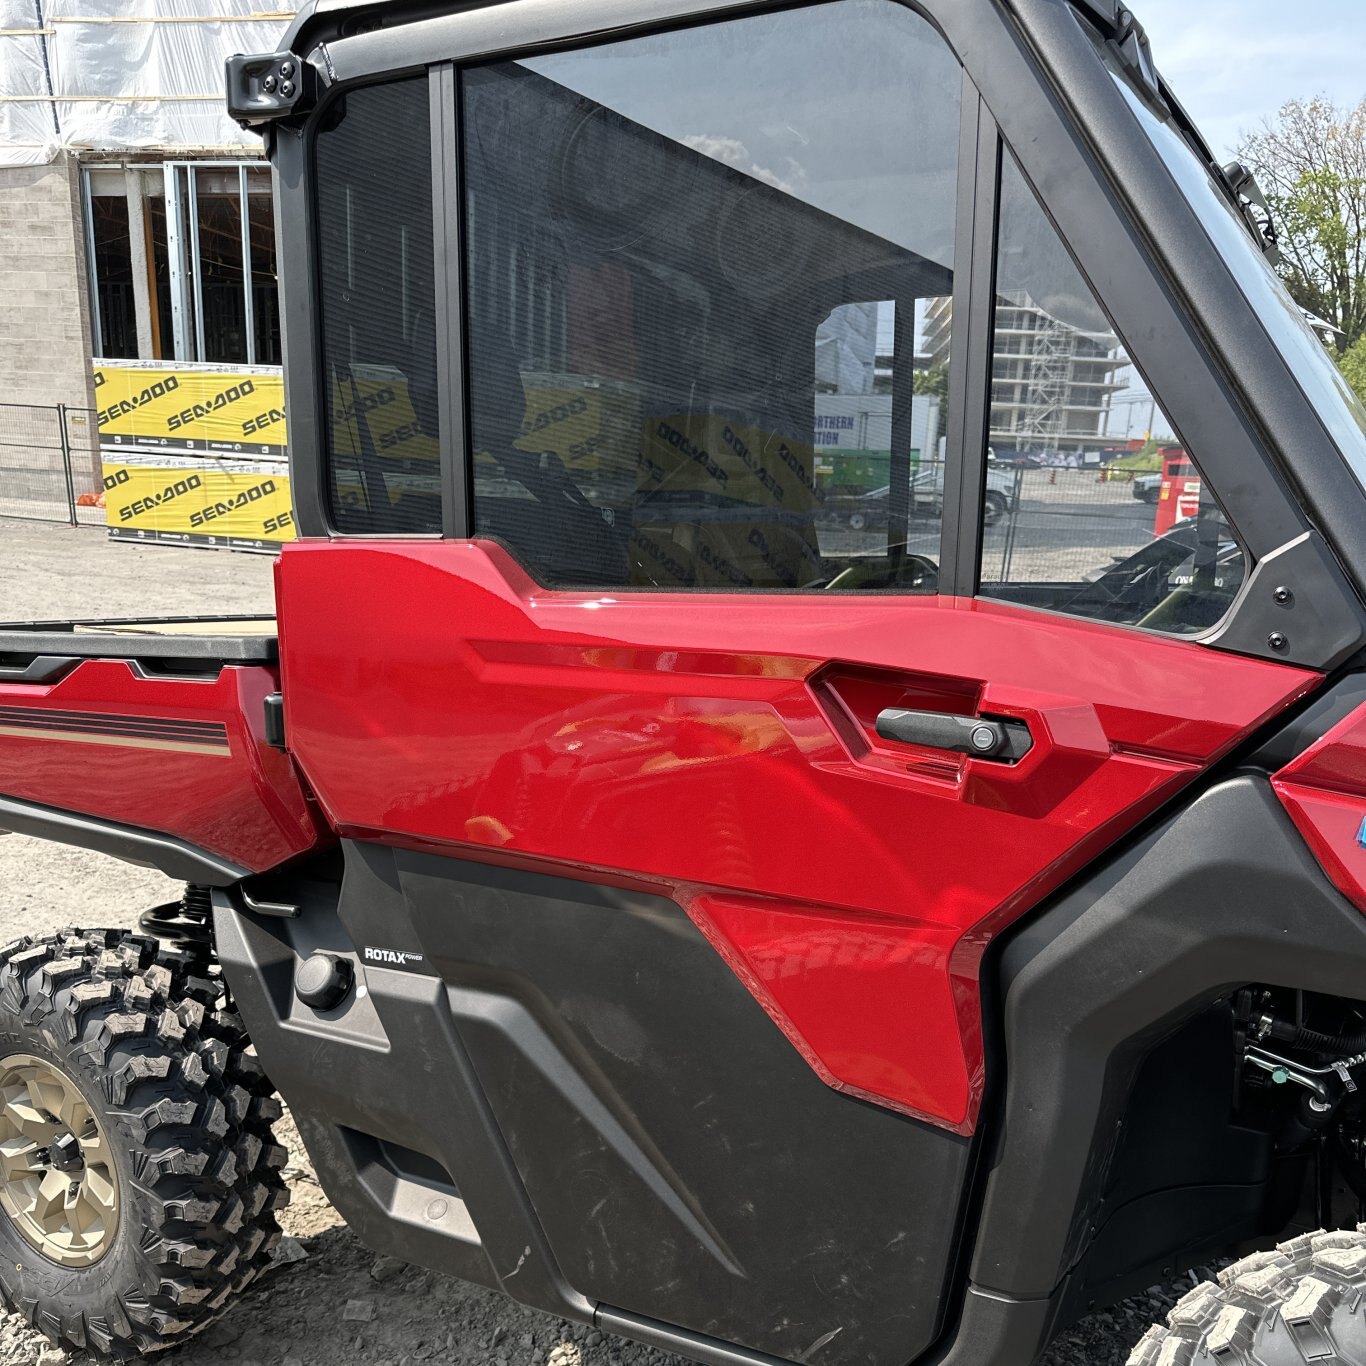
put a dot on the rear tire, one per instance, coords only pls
(150, 1048)
(1303, 1302)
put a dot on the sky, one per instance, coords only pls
(1233, 62)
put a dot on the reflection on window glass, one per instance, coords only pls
(708, 315)
(118, 339)
(1093, 505)
(377, 302)
(1335, 401)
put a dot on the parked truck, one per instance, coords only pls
(649, 905)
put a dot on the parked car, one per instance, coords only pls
(1147, 488)
(869, 511)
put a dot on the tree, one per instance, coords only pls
(933, 381)
(1353, 365)
(1310, 161)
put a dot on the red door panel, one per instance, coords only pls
(1324, 790)
(721, 747)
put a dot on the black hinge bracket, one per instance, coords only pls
(275, 720)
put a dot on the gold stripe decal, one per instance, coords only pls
(102, 728)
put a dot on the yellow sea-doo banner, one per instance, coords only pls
(236, 505)
(155, 406)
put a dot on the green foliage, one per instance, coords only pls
(1146, 461)
(1310, 161)
(933, 381)
(1353, 366)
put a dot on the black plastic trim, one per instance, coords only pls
(1222, 893)
(273, 720)
(299, 317)
(965, 484)
(383, 1101)
(665, 1337)
(1309, 723)
(608, 1084)
(1289, 609)
(449, 269)
(52, 640)
(147, 848)
(39, 669)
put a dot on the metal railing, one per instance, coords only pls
(50, 464)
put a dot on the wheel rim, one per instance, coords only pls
(57, 1179)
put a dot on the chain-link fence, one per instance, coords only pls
(1063, 525)
(50, 464)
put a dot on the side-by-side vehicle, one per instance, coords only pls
(766, 938)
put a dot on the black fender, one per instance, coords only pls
(1222, 893)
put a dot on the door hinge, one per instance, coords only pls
(275, 720)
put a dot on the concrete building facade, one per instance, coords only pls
(45, 336)
(135, 216)
(1052, 384)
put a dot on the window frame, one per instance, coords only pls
(183, 327)
(1077, 142)
(311, 485)
(296, 233)
(991, 246)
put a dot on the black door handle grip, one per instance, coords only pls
(40, 669)
(979, 736)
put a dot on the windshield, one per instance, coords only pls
(1340, 410)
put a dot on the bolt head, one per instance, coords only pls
(1283, 595)
(65, 1153)
(268, 85)
(286, 88)
(1277, 640)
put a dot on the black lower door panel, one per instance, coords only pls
(676, 1156)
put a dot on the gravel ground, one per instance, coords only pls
(335, 1303)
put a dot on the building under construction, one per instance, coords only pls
(1051, 382)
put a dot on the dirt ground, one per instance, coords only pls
(334, 1302)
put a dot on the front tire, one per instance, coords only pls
(1301, 1303)
(113, 1051)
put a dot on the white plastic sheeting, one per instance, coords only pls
(123, 75)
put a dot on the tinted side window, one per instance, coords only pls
(708, 326)
(1094, 506)
(377, 295)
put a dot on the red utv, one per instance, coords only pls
(765, 944)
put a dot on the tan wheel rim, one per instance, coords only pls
(57, 1179)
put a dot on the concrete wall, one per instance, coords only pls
(45, 344)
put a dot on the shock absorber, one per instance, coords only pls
(184, 923)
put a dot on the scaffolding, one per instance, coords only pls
(1052, 359)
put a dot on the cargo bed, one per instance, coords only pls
(191, 641)
(146, 737)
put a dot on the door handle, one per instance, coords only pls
(1006, 741)
(40, 669)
